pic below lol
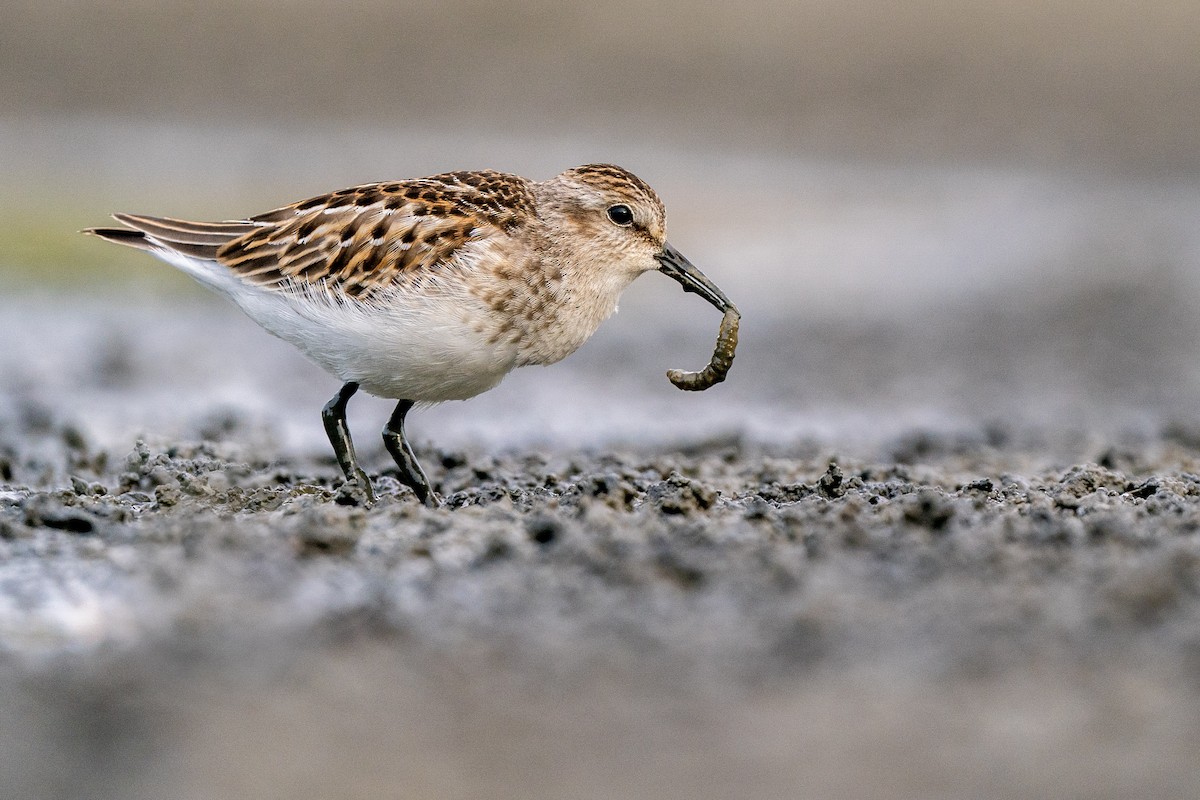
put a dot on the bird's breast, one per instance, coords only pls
(546, 318)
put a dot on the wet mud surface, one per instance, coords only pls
(719, 617)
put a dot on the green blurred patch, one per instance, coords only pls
(48, 250)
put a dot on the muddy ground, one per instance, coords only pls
(936, 583)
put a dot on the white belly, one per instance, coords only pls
(425, 348)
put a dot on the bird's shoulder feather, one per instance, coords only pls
(365, 238)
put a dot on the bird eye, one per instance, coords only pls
(620, 214)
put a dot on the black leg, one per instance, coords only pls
(334, 416)
(411, 473)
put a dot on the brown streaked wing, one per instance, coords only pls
(361, 239)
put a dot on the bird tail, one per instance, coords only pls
(158, 234)
(124, 236)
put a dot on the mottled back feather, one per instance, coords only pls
(355, 241)
(364, 238)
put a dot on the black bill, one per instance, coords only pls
(691, 279)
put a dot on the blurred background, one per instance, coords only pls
(958, 217)
(931, 213)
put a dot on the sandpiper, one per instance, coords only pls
(434, 288)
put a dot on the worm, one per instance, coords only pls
(722, 358)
